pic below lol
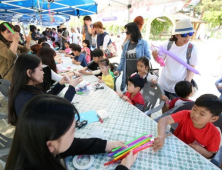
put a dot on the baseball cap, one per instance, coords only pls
(137, 80)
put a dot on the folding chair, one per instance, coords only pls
(217, 159)
(185, 106)
(115, 78)
(152, 97)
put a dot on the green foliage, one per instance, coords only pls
(160, 28)
(213, 17)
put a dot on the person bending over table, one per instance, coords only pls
(45, 133)
(79, 58)
(10, 50)
(195, 127)
(27, 74)
(93, 66)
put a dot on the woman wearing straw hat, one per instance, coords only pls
(10, 50)
(64, 34)
(178, 44)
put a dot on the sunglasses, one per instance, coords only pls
(185, 35)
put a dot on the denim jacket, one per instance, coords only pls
(219, 81)
(142, 49)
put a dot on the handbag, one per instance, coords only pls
(111, 50)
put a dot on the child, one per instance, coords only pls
(105, 67)
(97, 55)
(184, 91)
(86, 50)
(53, 41)
(195, 126)
(57, 46)
(79, 58)
(135, 84)
(67, 49)
(143, 70)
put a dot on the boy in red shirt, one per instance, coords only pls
(195, 127)
(133, 95)
(184, 91)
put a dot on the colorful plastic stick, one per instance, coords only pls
(9, 29)
(129, 142)
(134, 142)
(134, 152)
(136, 146)
(145, 140)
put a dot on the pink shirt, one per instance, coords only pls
(67, 50)
(87, 54)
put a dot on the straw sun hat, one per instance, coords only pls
(62, 26)
(183, 26)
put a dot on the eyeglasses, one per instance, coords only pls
(127, 33)
(185, 35)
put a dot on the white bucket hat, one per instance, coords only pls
(183, 26)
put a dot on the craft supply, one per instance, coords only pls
(12, 31)
(83, 167)
(129, 142)
(90, 116)
(102, 114)
(134, 152)
(131, 148)
(138, 144)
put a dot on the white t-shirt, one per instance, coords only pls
(173, 71)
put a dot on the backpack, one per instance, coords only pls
(188, 56)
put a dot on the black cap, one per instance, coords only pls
(137, 80)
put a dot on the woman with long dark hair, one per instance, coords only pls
(133, 49)
(27, 74)
(45, 133)
(10, 50)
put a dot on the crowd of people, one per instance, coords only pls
(42, 137)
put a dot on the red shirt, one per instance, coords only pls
(137, 99)
(207, 137)
(176, 102)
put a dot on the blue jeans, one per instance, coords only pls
(171, 96)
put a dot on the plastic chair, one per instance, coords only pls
(115, 78)
(152, 97)
(185, 106)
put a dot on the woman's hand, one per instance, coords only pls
(28, 39)
(64, 80)
(116, 73)
(76, 81)
(16, 37)
(129, 160)
(114, 144)
(155, 54)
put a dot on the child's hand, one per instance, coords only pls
(120, 94)
(64, 80)
(126, 98)
(158, 143)
(114, 144)
(76, 81)
(154, 81)
(77, 73)
(129, 160)
(165, 98)
(82, 71)
(66, 55)
(99, 77)
(100, 81)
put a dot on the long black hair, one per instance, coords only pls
(173, 38)
(47, 56)
(133, 30)
(2, 29)
(19, 80)
(44, 118)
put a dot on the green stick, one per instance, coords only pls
(147, 139)
(129, 142)
(11, 30)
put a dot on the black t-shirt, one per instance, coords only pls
(131, 59)
(94, 66)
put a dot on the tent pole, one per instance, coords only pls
(129, 7)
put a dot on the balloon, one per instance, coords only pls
(175, 57)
